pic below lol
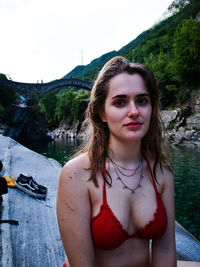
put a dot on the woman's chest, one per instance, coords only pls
(130, 211)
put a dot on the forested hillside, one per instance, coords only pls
(171, 49)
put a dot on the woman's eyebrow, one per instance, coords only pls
(141, 95)
(125, 96)
(119, 96)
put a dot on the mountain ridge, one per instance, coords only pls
(89, 71)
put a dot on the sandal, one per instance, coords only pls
(10, 181)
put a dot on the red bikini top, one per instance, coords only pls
(108, 233)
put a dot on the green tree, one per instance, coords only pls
(64, 108)
(186, 52)
(2, 76)
(71, 106)
(8, 96)
(159, 66)
(48, 106)
(1, 109)
(80, 105)
(67, 105)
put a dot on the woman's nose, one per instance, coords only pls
(133, 110)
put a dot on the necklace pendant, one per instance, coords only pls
(118, 169)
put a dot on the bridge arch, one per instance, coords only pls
(28, 89)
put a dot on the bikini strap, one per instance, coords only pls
(150, 170)
(104, 183)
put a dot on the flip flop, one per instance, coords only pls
(10, 181)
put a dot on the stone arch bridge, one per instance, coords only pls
(27, 90)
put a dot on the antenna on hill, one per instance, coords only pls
(82, 64)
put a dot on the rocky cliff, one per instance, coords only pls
(182, 125)
(24, 124)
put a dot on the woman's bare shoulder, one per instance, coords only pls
(79, 161)
(164, 173)
(77, 167)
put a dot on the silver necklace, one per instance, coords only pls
(121, 169)
(120, 179)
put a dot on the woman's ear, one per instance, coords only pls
(102, 116)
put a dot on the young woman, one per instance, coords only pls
(118, 193)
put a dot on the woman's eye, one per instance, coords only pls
(142, 101)
(119, 102)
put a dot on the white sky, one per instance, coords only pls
(43, 39)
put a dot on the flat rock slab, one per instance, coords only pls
(36, 241)
(187, 246)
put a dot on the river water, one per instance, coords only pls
(186, 165)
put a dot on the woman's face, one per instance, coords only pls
(127, 109)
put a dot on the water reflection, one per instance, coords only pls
(59, 149)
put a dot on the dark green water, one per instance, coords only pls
(59, 150)
(186, 164)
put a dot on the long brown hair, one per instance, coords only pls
(97, 132)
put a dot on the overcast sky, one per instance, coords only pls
(45, 39)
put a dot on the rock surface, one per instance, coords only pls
(187, 247)
(183, 125)
(66, 131)
(24, 124)
(36, 241)
(73, 131)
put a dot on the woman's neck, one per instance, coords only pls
(123, 153)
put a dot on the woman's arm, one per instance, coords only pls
(164, 248)
(74, 214)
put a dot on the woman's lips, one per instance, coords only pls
(133, 125)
